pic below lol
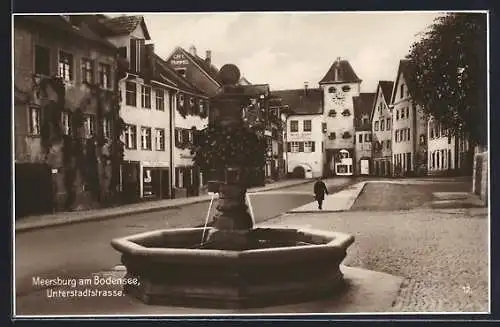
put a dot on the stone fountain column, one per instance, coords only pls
(232, 222)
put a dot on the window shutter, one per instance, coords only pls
(133, 55)
(176, 176)
(288, 147)
(176, 138)
(313, 146)
(301, 146)
(143, 55)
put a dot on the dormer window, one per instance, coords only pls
(346, 88)
(136, 48)
(181, 71)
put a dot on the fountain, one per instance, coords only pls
(235, 265)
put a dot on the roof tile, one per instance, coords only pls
(301, 103)
(340, 72)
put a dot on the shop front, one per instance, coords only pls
(155, 182)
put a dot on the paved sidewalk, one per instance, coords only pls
(62, 218)
(340, 201)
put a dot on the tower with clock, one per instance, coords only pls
(339, 85)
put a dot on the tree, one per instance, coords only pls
(447, 74)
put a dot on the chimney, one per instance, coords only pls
(192, 50)
(306, 86)
(208, 57)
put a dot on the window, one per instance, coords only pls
(136, 46)
(160, 139)
(368, 137)
(323, 127)
(403, 113)
(346, 113)
(42, 60)
(159, 99)
(409, 134)
(294, 147)
(332, 113)
(331, 89)
(382, 125)
(131, 137)
(145, 96)
(66, 66)
(388, 144)
(89, 124)
(181, 71)
(309, 146)
(146, 138)
(104, 74)
(106, 128)
(360, 138)
(402, 89)
(346, 135)
(131, 94)
(365, 121)
(397, 114)
(376, 125)
(87, 69)
(396, 135)
(332, 136)
(407, 112)
(34, 121)
(65, 123)
(307, 126)
(346, 88)
(388, 124)
(294, 126)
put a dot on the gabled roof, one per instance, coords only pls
(170, 75)
(340, 72)
(362, 106)
(386, 87)
(209, 69)
(300, 102)
(256, 89)
(77, 29)
(123, 25)
(403, 69)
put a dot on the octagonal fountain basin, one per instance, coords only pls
(285, 266)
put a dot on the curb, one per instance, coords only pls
(355, 197)
(39, 225)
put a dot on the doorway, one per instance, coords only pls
(365, 167)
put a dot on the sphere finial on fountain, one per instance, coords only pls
(229, 74)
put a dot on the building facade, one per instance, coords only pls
(447, 154)
(363, 133)
(381, 125)
(305, 132)
(409, 132)
(146, 103)
(64, 115)
(339, 86)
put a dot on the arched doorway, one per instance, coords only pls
(299, 172)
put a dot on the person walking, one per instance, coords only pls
(319, 192)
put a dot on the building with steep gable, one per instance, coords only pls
(339, 86)
(381, 125)
(362, 105)
(409, 128)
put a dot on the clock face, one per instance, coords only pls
(338, 97)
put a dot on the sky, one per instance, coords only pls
(287, 49)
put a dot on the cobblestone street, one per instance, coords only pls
(442, 254)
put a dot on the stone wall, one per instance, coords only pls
(480, 176)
